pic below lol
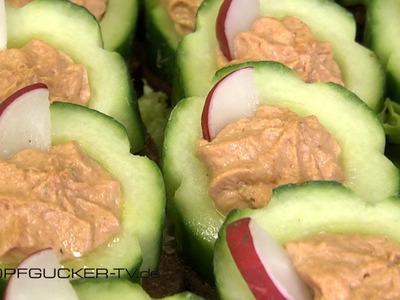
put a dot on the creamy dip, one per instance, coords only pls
(95, 7)
(250, 157)
(38, 62)
(289, 42)
(59, 198)
(348, 266)
(183, 14)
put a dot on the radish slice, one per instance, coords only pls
(25, 120)
(233, 97)
(3, 26)
(40, 277)
(263, 263)
(234, 16)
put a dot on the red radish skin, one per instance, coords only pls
(4, 104)
(205, 114)
(232, 97)
(220, 29)
(264, 263)
(240, 243)
(234, 16)
(25, 120)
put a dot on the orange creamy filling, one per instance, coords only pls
(59, 198)
(183, 14)
(289, 42)
(348, 266)
(39, 62)
(253, 155)
(96, 7)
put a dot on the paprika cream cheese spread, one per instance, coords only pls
(96, 7)
(250, 157)
(38, 62)
(59, 198)
(348, 266)
(289, 42)
(183, 14)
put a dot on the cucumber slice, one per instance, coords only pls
(118, 25)
(361, 70)
(120, 289)
(138, 244)
(382, 25)
(73, 30)
(105, 289)
(351, 122)
(162, 40)
(142, 185)
(393, 75)
(298, 212)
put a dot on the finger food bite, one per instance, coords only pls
(83, 197)
(337, 241)
(104, 82)
(263, 263)
(110, 14)
(343, 115)
(327, 22)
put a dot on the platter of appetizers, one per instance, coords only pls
(189, 149)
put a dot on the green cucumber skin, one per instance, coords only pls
(161, 40)
(138, 245)
(297, 212)
(200, 230)
(381, 26)
(340, 111)
(328, 21)
(393, 78)
(195, 238)
(120, 15)
(347, 3)
(72, 29)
